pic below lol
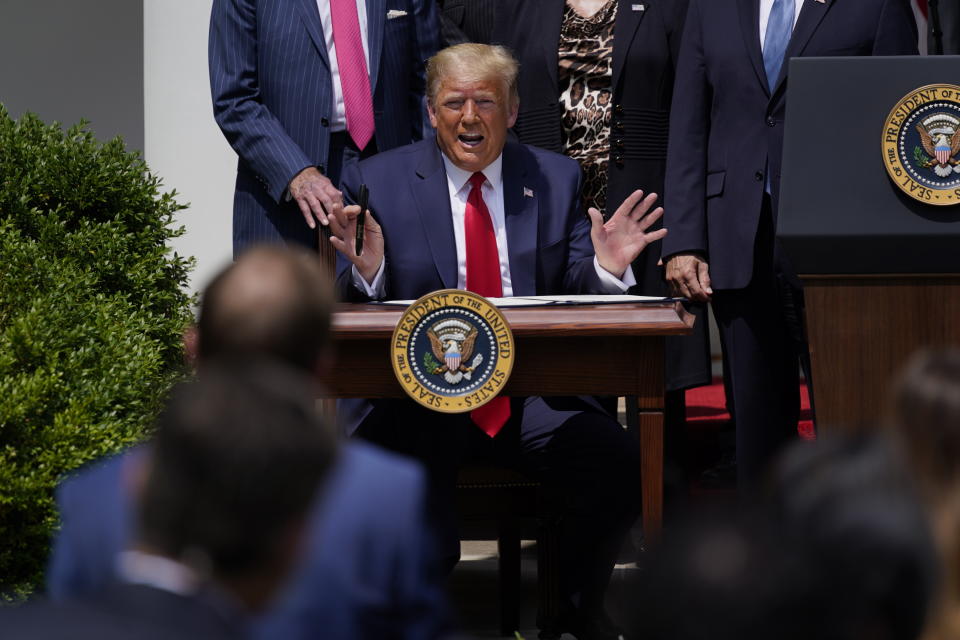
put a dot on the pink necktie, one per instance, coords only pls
(483, 277)
(352, 63)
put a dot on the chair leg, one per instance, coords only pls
(508, 547)
(548, 578)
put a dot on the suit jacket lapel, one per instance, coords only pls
(625, 25)
(749, 11)
(433, 206)
(552, 18)
(376, 18)
(310, 15)
(521, 214)
(810, 16)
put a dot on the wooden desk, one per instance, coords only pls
(613, 350)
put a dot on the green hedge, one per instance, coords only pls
(92, 306)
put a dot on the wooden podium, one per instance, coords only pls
(881, 270)
(612, 349)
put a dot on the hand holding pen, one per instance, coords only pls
(358, 237)
(364, 197)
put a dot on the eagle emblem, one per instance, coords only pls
(941, 142)
(451, 344)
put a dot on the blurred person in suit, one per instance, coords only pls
(369, 570)
(471, 210)
(596, 80)
(300, 88)
(723, 184)
(838, 550)
(925, 419)
(223, 500)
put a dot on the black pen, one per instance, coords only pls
(364, 197)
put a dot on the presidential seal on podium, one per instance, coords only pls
(921, 141)
(452, 351)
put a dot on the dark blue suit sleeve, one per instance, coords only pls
(581, 276)
(684, 207)
(427, 30)
(95, 525)
(253, 132)
(896, 30)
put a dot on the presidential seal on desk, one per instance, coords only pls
(921, 142)
(452, 351)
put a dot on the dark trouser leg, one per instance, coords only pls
(439, 442)
(591, 466)
(761, 356)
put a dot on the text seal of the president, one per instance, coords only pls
(452, 351)
(921, 142)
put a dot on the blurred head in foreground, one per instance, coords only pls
(840, 553)
(273, 301)
(237, 459)
(925, 420)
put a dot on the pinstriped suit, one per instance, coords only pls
(273, 98)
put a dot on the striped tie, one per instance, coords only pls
(779, 30)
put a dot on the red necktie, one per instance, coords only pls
(352, 65)
(483, 277)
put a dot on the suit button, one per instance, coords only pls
(618, 159)
(324, 122)
(618, 109)
(618, 127)
(758, 176)
(771, 122)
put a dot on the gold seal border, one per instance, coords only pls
(891, 153)
(441, 299)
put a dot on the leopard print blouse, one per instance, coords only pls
(586, 79)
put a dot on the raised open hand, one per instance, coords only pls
(618, 241)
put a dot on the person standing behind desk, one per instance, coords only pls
(302, 87)
(596, 79)
(723, 185)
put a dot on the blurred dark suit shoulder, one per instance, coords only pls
(122, 612)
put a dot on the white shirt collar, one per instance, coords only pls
(159, 572)
(459, 178)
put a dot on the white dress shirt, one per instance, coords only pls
(159, 572)
(458, 185)
(765, 7)
(338, 121)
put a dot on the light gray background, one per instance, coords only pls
(72, 59)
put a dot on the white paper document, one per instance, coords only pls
(540, 301)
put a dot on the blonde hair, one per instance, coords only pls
(473, 62)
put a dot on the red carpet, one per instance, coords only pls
(706, 408)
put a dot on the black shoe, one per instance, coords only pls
(722, 475)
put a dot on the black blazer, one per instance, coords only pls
(646, 42)
(467, 21)
(645, 46)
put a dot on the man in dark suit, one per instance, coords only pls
(302, 87)
(723, 179)
(469, 210)
(467, 21)
(223, 496)
(368, 570)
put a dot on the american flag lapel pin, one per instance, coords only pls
(643, 7)
(527, 192)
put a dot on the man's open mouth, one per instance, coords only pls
(470, 139)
